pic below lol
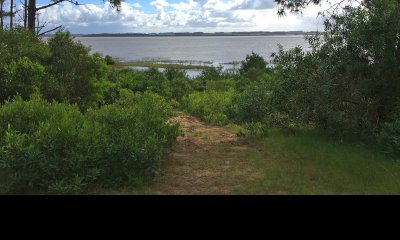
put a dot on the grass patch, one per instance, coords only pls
(310, 163)
(160, 65)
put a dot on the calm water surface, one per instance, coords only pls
(201, 49)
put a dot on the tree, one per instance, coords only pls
(32, 10)
(11, 13)
(1, 14)
(25, 7)
(349, 80)
(295, 6)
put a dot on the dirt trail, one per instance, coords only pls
(206, 160)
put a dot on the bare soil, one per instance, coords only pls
(206, 160)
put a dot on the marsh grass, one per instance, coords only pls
(160, 65)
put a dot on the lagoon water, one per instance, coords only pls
(224, 49)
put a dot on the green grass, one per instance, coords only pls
(310, 163)
(160, 65)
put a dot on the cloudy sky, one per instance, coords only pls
(149, 16)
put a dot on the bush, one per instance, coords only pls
(42, 147)
(23, 77)
(74, 74)
(21, 43)
(129, 79)
(156, 82)
(141, 81)
(389, 137)
(172, 73)
(22, 57)
(180, 87)
(210, 105)
(254, 104)
(253, 66)
(54, 147)
(254, 130)
(348, 81)
(109, 60)
(135, 136)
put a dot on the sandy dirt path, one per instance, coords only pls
(206, 160)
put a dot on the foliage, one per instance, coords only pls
(253, 66)
(179, 83)
(348, 83)
(389, 137)
(172, 84)
(40, 144)
(254, 103)
(293, 5)
(22, 56)
(20, 43)
(109, 60)
(22, 77)
(60, 69)
(253, 130)
(74, 74)
(207, 75)
(54, 147)
(180, 87)
(210, 105)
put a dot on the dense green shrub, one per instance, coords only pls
(59, 68)
(254, 104)
(210, 106)
(172, 84)
(212, 73)
(180, 87)
(349, 82)
(20, 43)
(109, 60)
(22, 77)
(222, 84)
(74, 74)
(296, 93)
(54, 147)
(22, 57)
(207, 75)
(141, 81)
(253, 66)
(172, 73)
(389, 137)
(40, 146)
(135, 136)
(129, 79)
(156, 82)
(179, 83)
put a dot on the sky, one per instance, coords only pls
(155, 16)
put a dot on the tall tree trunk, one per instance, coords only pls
(25, 14)
(32, 15)
(1, 14)
(11, 14)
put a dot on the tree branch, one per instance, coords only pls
(57, 2)
(51, 30)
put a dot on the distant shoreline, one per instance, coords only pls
(195, 34)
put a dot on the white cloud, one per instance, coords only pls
(185, 16)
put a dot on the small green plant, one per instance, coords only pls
(253, 130)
